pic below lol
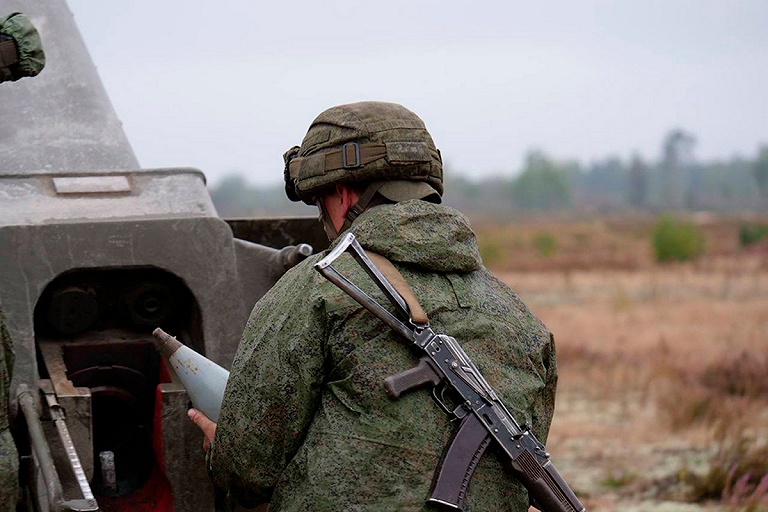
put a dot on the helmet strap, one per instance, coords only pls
(325, 220)
(362, 204)
(367, 200)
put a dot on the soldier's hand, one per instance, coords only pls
(206, 425)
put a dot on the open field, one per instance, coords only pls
(663, 368)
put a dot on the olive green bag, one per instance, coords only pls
(21, 51)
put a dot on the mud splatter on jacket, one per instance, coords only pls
(306, 422)
(9, 457)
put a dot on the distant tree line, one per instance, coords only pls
(677, 181)
(234, 197)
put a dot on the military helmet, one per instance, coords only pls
(365, 142)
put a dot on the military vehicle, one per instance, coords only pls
(95, 253)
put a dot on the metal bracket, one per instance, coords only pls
(349, 244)
(345, 159)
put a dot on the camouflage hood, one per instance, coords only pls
(433, 237)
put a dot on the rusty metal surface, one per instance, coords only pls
(70, 456)
(76, 401)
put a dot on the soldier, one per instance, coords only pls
(21, 52)
(9, 457)
(306, 423)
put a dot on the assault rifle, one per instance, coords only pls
(483, 416)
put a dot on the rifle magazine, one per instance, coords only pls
(458, 463)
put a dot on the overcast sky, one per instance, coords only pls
(228, 86)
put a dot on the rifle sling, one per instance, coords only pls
(401, 285)
(461, 456)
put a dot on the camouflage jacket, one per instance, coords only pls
(306, 422)
(9, 481)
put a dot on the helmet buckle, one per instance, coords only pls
(348, 151)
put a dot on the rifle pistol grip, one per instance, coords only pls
(420, 375)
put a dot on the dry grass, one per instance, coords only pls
(601, 243)
(664, 369)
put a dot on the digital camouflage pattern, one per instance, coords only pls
(306, 422)
(400, 148)
(9, 457)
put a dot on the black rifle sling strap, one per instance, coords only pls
(397, 280)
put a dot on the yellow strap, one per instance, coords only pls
(401, 285)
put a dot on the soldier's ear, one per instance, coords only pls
(347, 195)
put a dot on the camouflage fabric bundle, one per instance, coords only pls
(21, 51)
(306, 422)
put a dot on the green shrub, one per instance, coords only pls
(750, 234)
(492, 252)
(676, 241)
(545, 244)
(618, 478)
